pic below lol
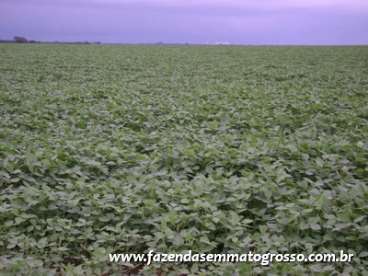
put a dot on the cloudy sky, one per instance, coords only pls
(192, 21)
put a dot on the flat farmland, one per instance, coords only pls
(215, 149)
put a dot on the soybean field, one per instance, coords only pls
(214, 149)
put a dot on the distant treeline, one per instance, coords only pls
(21, 39)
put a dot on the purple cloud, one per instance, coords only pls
(243, 22)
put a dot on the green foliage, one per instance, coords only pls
(212, 149)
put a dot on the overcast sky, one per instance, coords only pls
(180, 21)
